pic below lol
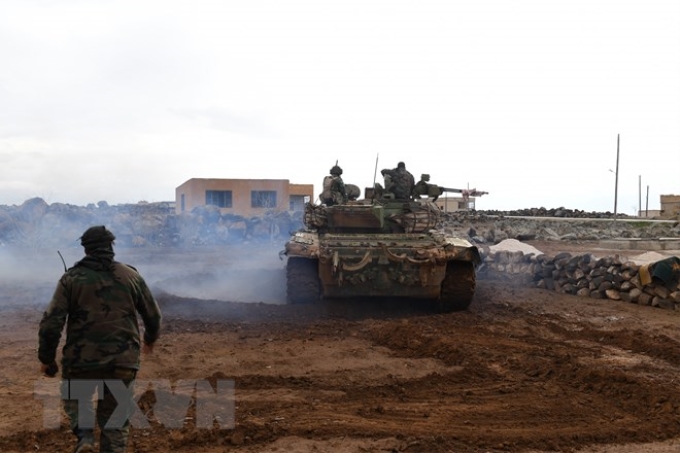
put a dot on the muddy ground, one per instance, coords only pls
(522, 370)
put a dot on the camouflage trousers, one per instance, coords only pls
(111, 440)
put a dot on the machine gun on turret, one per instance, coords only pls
(423, 187)
(467, 193)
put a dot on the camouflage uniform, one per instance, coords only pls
(422, 187)
(402, 182)
(98, 299)
(334, 191)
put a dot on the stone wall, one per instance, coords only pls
(584, 275)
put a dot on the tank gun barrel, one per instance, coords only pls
(466, 192)
(448, 189)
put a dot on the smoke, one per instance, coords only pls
(235, 286)
(199, 255)
(28, 277)
(235, 273)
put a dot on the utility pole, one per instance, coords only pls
(640, 196)
(647, 203)
(616, 185)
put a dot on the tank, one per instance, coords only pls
(380, 248)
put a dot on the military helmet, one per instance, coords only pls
(96, 237)
(425, 177)
(336, 170)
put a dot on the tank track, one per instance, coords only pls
(458, 287)
(303, 285)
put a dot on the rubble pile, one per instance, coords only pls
(483, 229)
(613, 277)
(556, 212)
(36, 224)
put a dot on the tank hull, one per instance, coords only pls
(411, 265)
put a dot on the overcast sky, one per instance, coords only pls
(124, 101)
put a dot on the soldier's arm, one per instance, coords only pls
(149, 311)
(52, 323)
(341, 188)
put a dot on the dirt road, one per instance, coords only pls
(522, 370)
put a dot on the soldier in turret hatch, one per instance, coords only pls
(334, 191)
(402, 182)
(433, 191)
(422, 187)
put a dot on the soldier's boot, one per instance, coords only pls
(114, 440)
(85, 442)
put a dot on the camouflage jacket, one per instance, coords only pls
(402, 182)
(99, 302)
(334, 191)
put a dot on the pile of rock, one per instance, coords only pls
(556, 212)
(611, 277)
(485, 229)
(37, 224)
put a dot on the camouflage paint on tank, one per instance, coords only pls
(383, 248)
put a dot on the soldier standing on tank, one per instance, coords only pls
(98, 299)
(334, 191)
(402, 182)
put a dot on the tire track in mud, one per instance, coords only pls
(506, 375)
(525, 381)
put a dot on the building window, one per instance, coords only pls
(263, 198)
(297, 202)
(182, 202)
(219, 198)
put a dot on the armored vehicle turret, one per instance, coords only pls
(379, 247)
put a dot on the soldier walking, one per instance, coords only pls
(98, 299)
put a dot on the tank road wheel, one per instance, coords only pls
(303, 280)
(458, 287)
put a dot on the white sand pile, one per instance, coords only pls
(513, 245)
(648, 257)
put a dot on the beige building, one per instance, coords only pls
(450, 204)
(248, 197)
(670, 206)
(649, 213)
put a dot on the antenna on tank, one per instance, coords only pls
(375, 173)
